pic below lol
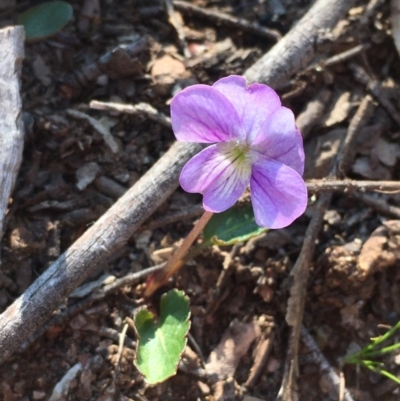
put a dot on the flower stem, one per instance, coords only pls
(175, 262)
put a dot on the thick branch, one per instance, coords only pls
(295, 51)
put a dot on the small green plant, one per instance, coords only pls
(376, 348)
(45, 20)
(161, 343)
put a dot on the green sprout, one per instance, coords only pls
(374, 349)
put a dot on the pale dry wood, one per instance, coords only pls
(137, 109)
(324, 364)
(297, 49)
(11, 125)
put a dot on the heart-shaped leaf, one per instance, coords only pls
(46, 19)
(235, 225)
(161, 343)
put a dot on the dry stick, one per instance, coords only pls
(11, 125)
(318, 186)
(340, 57)
(294, 52)
(375, 88)
(107, 235)
(222, 18)
(346, 55)
(115, 336)
(300, 271)
(100, 293)
(185, 214)
(139, 109)
(313, 187)
(31, 309)
(295, 308)
(176, 21)
(323, 363)
(365, 111)
(379, 205)
(260, 360)
(121, 341)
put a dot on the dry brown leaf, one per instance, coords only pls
(340, 110)
(350, 315)
(382, 248)
(165, 71)
(320, 152)
(366, 168)
(235, 342)
(386, 152)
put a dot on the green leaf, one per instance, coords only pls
(161, 343)
(235, 225)
(45, 20)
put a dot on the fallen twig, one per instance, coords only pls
(115, 336)
(97, 294)
(229, 20)
(294, 52)
(261, 355)
(354, 188)
(175, 20)
(375, 88)
(340, 57)
(379, 205)
(364, 113)
(137, 109)
(98, 126)
(324, 364)
(344, 56)
(324, 185)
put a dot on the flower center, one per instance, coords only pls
(237, 153)
(241, 152)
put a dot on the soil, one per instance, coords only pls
(71, 174)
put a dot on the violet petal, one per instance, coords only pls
(202, 114)
(279, 139)
(278, 193)
(220, 177)
(253, 103)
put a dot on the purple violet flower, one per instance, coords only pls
(255, 141)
